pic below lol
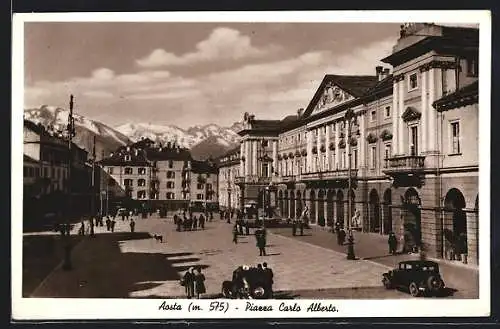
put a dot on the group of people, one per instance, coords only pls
(245, 276)
(194, 282)
(189, 222)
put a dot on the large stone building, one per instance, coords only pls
(410, 136)
(155, 176)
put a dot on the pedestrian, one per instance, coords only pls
(294, 227)
(108, 224)
(261, 241)
(269, 279)
(339, 237)
(202, 221)
(179, 224)
(132, 226)
(301, 226)
(235, 234)
(113, 225)
(195, 223)
(247, 227)
(342, 236)
(393, 243)
(228, 218)
(211, 216)
(188, 282)
(68, 229)
(91, 226)
(199, 283)
(176, 218)
(82, 228)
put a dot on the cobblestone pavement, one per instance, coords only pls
(373, 247)
(122, 264)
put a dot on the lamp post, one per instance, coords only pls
(70, 130)
(350, 118)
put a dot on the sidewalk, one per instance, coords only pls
(373, 247)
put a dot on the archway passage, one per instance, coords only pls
(312, 211)
(329, 208)
(285, 211)
(412, 221)
(455, 223)
(321, 208)
(374, 214)
(340, 208)
(292, 204)
(386, 212)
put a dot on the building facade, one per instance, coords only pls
(229, 169)
(406, 143)
(160, 176)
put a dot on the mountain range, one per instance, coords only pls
(204, 141)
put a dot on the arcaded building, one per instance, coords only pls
(410, 137)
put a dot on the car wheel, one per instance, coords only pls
(259, 292)
(434, 283)
(413, 289)
(387, 283)
(227, 290)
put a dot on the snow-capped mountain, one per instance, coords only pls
(204, 141)
(55, 119)
(227, 136)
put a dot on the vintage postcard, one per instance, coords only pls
(251, 165)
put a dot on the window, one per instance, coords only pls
(128, 171)
(141, 194)
(128, 182)
(387, 154)
(110, 170)
(472, 67)
(455, 137)
(170, 196)
(209, 187)
(387, 112)
(128, 158)
(170, 174)
(199, 186)
(170, 184)
(373, 116)
(265, 170)
(412, 82)
(141, 171)
(373, 157)
(141, 182)
(414, 140)
(199, 196)
(265, 143)
(170, 163)
(355, 158)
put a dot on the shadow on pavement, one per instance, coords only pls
(102, 270)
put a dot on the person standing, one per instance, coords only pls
(342, 236)
(235, 234)
(393, 243)
(82, 228)
(108, 224)
(113, 225)
(294, 227)
(92, 226)
(132, 225)
(247, 227)
(269, 279)
(202, 221)
(199, 283)
(195, 223)
(188, 283)
(261, 242)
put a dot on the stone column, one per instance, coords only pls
(401, 128)
(327, 145)
(395, 117)
(472, 238)
(336, 141)
(318, 146)
(242, 163)
(254, 158)
(362, 140)
(436, 90)
(309, 150)
(425, 109)
(248, 159)
(275, 156)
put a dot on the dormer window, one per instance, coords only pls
(128, 158)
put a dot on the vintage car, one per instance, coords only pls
(417, 276)
(247, 283)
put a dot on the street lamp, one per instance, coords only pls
(350, 118)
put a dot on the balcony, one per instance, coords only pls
(405, 164)
(287, 179)
(330, 175)
(252, 180)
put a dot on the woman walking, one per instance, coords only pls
(199, 283)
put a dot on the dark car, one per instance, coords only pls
(415, 275)
(247, 283)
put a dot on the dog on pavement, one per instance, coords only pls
(158, 238)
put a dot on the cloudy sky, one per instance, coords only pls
(193, 73)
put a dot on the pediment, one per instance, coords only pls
(331, 96)
(411, 114)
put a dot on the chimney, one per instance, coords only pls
(383, 74)
(379, 72)
(300, 112)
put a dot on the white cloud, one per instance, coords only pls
(98, 94)
(222, 43)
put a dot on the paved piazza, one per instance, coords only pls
(297, 265)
